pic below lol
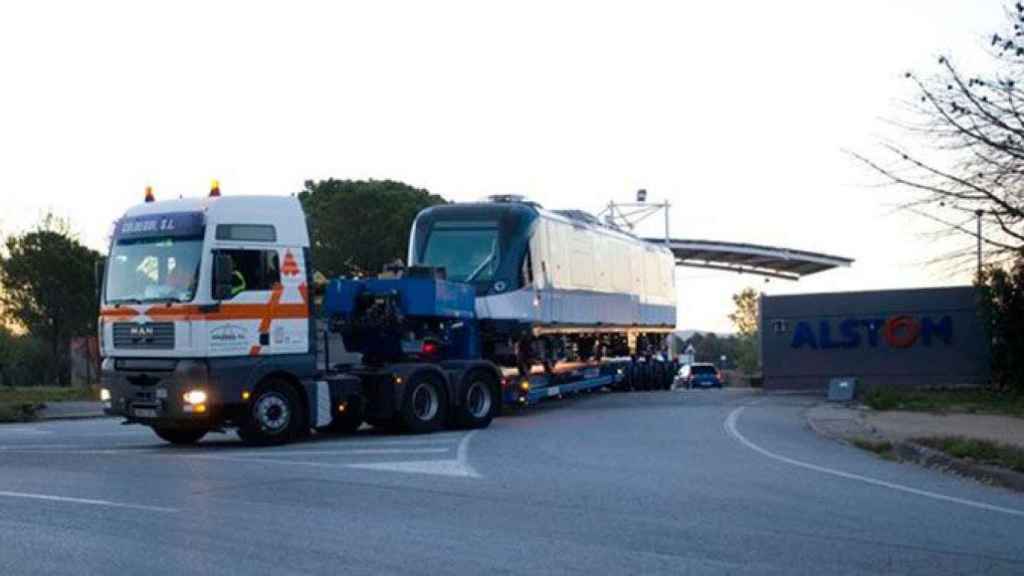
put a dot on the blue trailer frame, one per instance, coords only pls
(413, 300)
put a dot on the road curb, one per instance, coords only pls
(89, 416)
(931, 458)
(913, 452)
(76, 411)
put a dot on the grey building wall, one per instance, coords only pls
(925, 337)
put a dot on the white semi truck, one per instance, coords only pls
(207, 322)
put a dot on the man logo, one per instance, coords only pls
(141, 333)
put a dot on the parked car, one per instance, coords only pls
(699, 375)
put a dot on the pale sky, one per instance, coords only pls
(738, 112)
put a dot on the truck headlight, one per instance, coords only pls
(104, 395)
(194, 397)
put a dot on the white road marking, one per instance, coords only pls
(86, 501)
(24, 430)
(732, 429)
(39, 447)
(247, 455)
(459, 467)
(463, 454)
(371, 443)
(342, 452)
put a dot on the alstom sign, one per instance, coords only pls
(898, 331)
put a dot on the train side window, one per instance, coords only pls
(255, 270)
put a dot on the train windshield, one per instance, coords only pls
(468, 250)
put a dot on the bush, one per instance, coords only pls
(1001, 291)
(24, 361)
(963, 400)
(982, 451)
(18, 412)
(884, 398)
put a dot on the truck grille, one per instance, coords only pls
(149, 336)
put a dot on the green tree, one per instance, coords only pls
(1002, 306)
(746, 318)
(358, 226)
(6, 354)
(47, 286)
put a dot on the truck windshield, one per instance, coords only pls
(468, 251)
(153, 270)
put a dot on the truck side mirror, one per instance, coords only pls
(223, 275)
(98, 268)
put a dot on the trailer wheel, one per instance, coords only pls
(479, 401)
(275, 415)
(424, 406)
(657, 376)
(179, 436)
(648, 383)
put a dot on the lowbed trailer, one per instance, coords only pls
(619, 374)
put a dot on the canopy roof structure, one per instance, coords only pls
(784, 263)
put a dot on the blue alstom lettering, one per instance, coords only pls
(898, 331)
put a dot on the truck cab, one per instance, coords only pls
(205, 317)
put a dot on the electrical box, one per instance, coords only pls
(841, 389)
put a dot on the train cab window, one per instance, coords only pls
(469, 251)
(255, 270)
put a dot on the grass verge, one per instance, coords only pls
(882, 448)
(981, 451)
(21, 404)
(969, 401)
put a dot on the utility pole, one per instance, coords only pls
(668, 236)
(978, 213)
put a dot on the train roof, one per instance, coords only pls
(570, 216)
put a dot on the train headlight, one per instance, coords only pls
(104, 395)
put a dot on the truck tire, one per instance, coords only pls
(479, 401)
(424, 406)
(643, 376)
(180, 436)
(660, 372)
(275, 415)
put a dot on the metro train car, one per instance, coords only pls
(550, 285)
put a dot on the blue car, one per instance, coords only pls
(700, 375)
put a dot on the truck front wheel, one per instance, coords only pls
(478, 403)
(274, 415)
(180, 436)
(424, 406)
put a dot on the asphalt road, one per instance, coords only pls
(643, 483)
